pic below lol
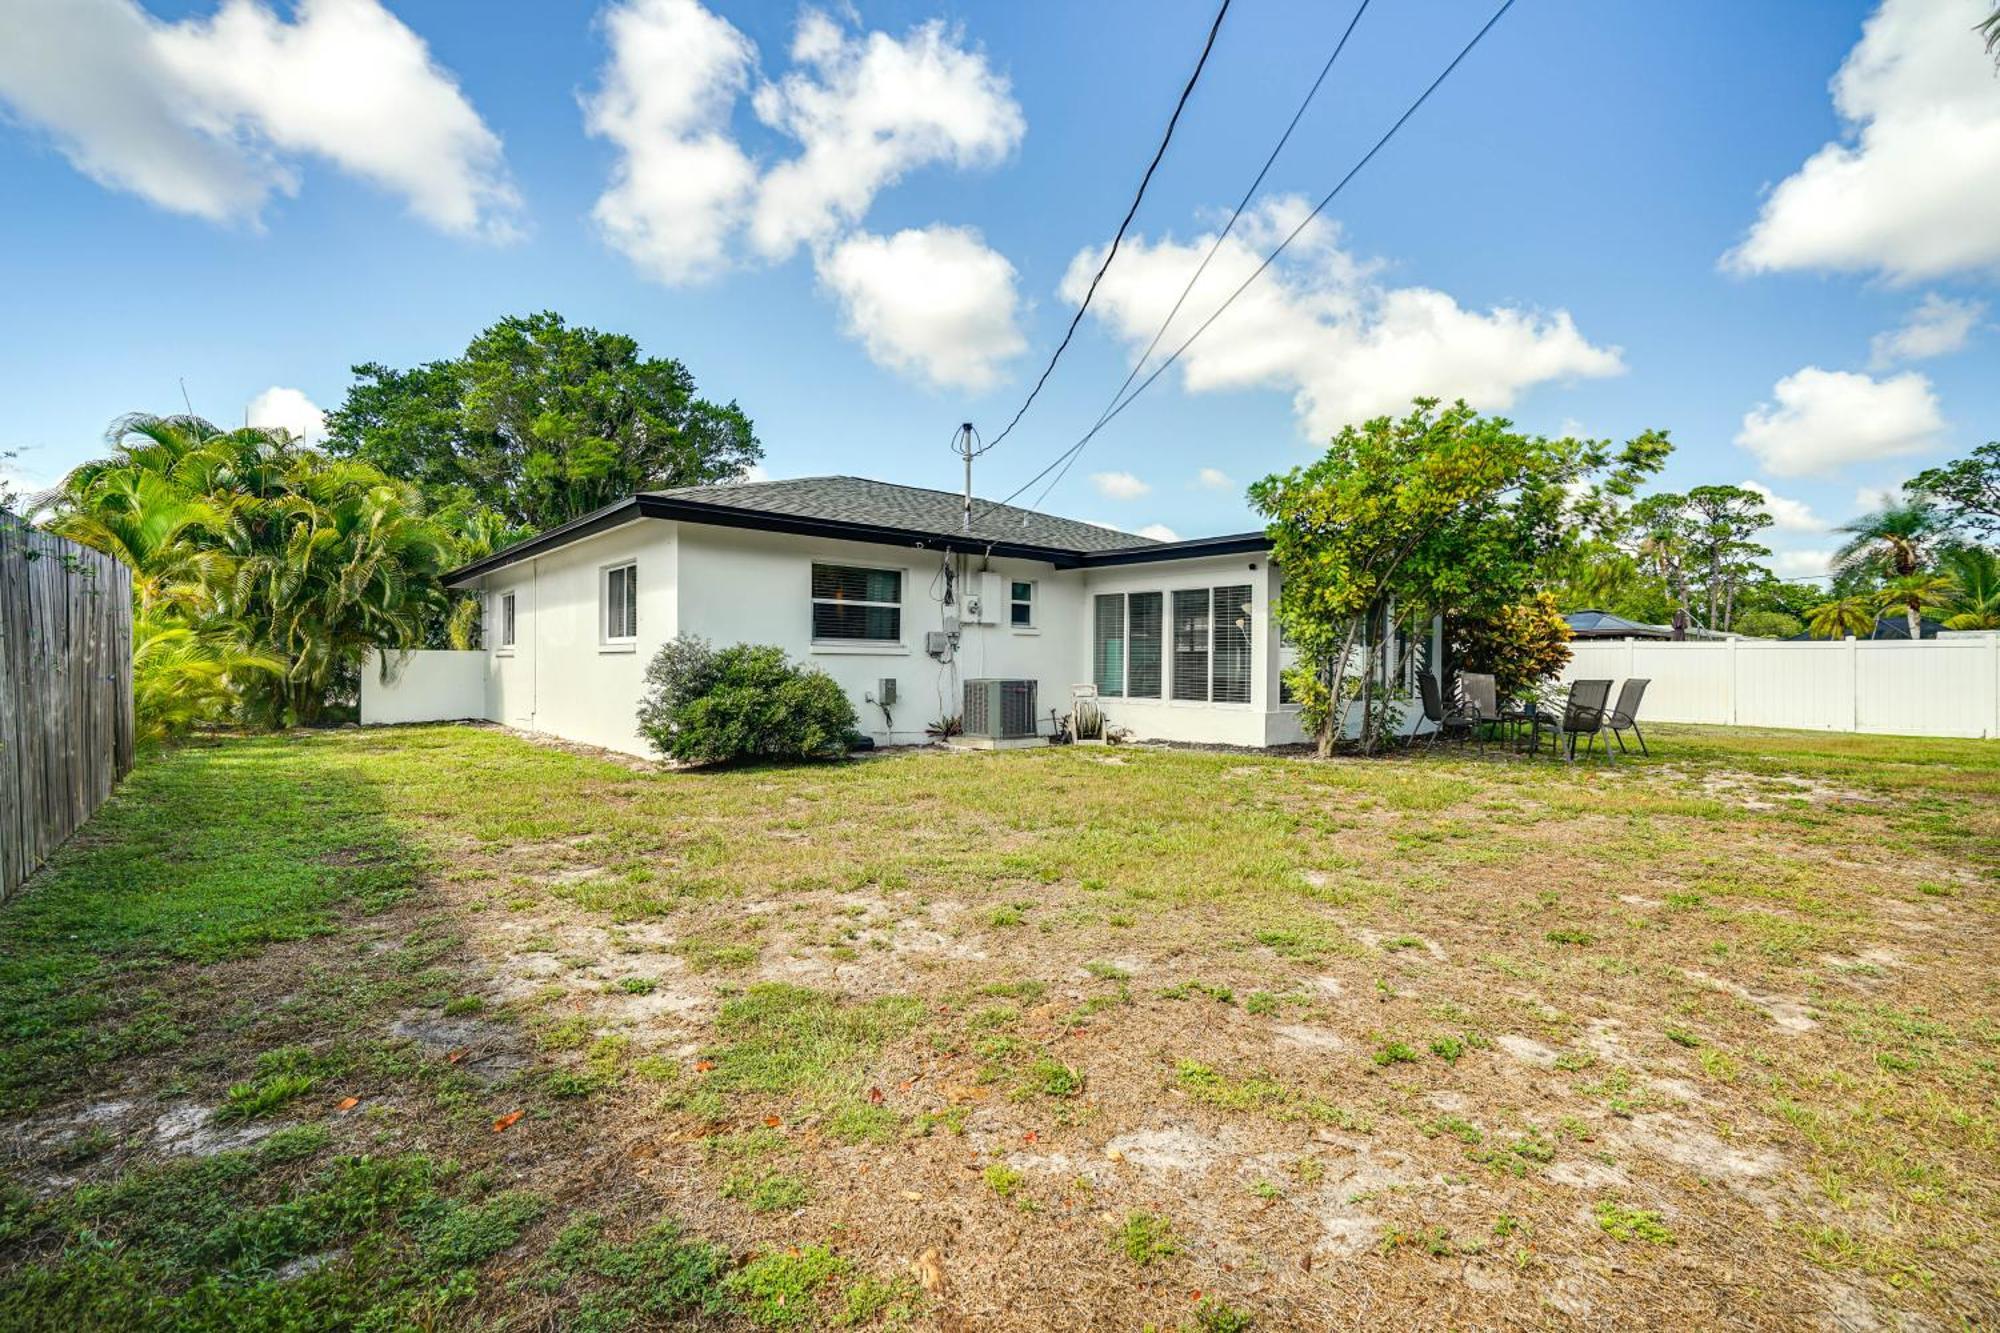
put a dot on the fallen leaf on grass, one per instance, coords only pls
(347, 1104)
(455, 1056)
(930, 1272)
(703, 1066)
(875, 1096)
(772, 1121)
(506, 1120)
(912, 1196)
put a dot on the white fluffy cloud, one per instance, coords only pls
(1787, 515)
(287, 409)
(935, 303)
(1119, 485)
(1873, 499)
(1319, 323)
(681, 184)
(1910, 192)
(1214, 479)
(1159, 532)
(207, 116)
(864, 110)
(1938, 326)
(1823, 420)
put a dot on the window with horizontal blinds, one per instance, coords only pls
(1190, 626)
(1142, 627)
(621, 603)
(855, 604)
(1230, 640)
(1107, 645)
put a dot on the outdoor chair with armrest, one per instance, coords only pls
(1625, 715)
(1445, 722)
(1583, 714)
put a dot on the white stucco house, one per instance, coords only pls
(882, 587)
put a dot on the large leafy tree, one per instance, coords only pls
(1703, 545)
(1441, 509)
(1965, 491)
(542, 422)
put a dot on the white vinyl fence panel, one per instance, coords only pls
(424, 686)
(1936, 687)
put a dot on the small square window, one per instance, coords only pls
(1021, 606)
(621, 603)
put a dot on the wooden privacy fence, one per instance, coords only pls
(1932, 687)
(65, 691)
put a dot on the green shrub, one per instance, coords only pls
(710, 706)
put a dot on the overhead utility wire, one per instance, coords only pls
(1112, 253)
(1069, 455)
(1227, 227)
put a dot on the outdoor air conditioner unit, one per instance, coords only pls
(1000, 710)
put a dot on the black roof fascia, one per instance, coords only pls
(834, 529)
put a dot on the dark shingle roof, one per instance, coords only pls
(1588, 624)
(913, 508)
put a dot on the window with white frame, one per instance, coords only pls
(856, 604)
(1229, 681)
(1125, 645)
(505, 616)
(621, 603)
(1191, 645)
(1021, 604)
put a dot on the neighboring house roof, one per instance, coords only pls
(909, 509)
(857, 509)
(1604, 625)
(1888, 627)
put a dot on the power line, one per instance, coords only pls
(1069, 456)
(1234, 214)
(1112, 253)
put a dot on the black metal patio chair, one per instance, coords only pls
(1583, 714)
(1482, 701)
(1445, 722)
(1625, 715)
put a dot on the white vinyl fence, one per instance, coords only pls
(1935, 687)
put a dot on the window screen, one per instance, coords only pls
(857, 605)
(1107, 646)
(621, 602)
(507, 620)
(1191, 644)
(1231, 641)
(1142, 680)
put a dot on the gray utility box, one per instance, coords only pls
(1000, 710)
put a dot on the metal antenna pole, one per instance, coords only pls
(965, 442)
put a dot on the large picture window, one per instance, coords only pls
(856, 604)
(1125, 645)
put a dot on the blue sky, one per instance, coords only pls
(858, 222)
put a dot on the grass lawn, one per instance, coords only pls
(438, 1027)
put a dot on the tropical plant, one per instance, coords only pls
(1975, 602)
(1842, 617)
(1894, 542)
(186, 675)
(1520, 646)
(1913, 594)
(543, 422)
(249, 549)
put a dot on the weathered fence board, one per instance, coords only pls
(65, 691)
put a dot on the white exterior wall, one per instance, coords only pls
(743, 586)
(1260, 722)
(734, 585)
(560, 676)
(1932, 687)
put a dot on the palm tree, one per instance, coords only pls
(1892, 543)
(1912, 593)
(1975, 602)
(1841, 618)
(186, 675)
